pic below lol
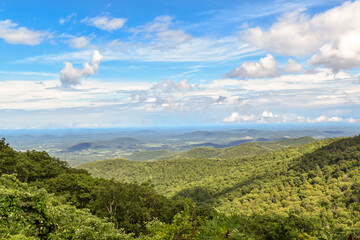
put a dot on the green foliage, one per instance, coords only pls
(243, 150)
(131, 206)
(31, 165)
(184, 226)
(306, 192)
(150, 155)
(127, 205)
(30, 213)
(183, 177)
(239, 151)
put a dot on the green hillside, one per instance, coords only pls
(245, 149)
(172, 176)
(80, 206)
(241, 150)
(305, 192)
(150, 155)
(316, 184)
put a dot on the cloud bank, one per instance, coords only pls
(269, 117)
(70, 76)
(333, 36)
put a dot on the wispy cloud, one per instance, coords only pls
(105, 23)
(43, 74)
(196, 50)
(79, 42)
(67, 18)
(161, 29)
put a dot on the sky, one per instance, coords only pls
(145, 63)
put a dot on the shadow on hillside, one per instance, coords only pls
(200, 195)
(340, 150)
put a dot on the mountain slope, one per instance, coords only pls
(286, 194)
(172, 176)
(241, 150)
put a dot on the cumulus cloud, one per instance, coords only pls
(70, 76)
(334, 33)
(265, 117)
(166, 95)
(266, 67)
(79, 42)
(292, 67)
(14, 34)
(237, 117)
(324, 118)
(105, 23)
(269, 117)
(341, 53)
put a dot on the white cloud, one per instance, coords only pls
(341, 53)
(266, 67)
(33, 96)
(265, 117)
(79, 42)
(335, 32)
(324, 118)
(164, 96)
(269, 117)
(268, 114)
(170, 86)
(297, 96)
(70, 76)
(292, 67)
(105, 23)
(236, 117)
(14, 34)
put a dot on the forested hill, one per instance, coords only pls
(244, 149)
(79, 206)
(241, 150)
(305, 192)
(316, 182)
(172, 176)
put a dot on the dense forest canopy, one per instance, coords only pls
(304, 192)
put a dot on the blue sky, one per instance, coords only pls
(75, 64)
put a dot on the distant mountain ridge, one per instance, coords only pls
(227, 152)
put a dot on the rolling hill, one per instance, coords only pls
(304, 192)
(241, 150)
(315, 186)
(172, 176)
